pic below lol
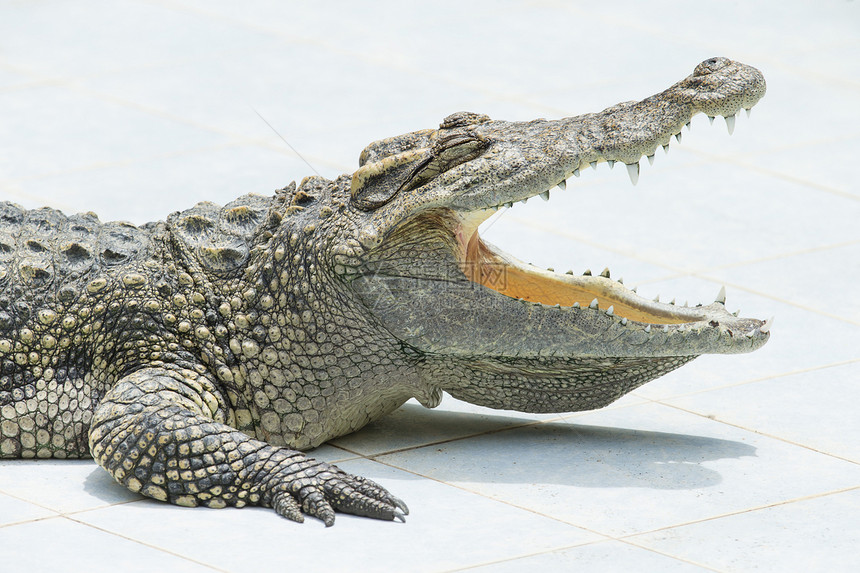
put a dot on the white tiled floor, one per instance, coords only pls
(134, 109)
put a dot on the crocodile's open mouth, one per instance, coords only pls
(487, 265)
(421, 299)
(484, 264)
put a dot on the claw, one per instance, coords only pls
(398, 503)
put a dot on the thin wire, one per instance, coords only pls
(287, 142)
(495, 217)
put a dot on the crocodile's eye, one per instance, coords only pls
(449, 150)
(375, 184)
(711, 65)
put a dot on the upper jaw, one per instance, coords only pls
(526, 159)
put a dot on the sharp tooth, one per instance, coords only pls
(523, 201)
(665, 328)
(737, 312)
(576, 305)
(748, 110)
(605, 273)
(624, 321)
(509, 205)
(657, 298)
(688, 125)
(545, 195)
(766, 325)
(648, 328)
(678, 137)
(721, 296)
(569, 273)
(587, 273)
(621, 280)
(711, 119)
(633, 172)
(651, 159)
(562, 184)
(611, 310)
(634, 289)
(611, 163)
(730, 123)
(550, 269)
(593, 304)
(672, 302)
(576, 172)
(666, 147)
(593, 164)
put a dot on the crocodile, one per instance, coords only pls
(196, 359)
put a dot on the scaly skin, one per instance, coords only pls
(193, 358)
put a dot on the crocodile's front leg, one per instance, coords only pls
(161, 432)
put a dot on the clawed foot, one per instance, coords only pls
(320, 489)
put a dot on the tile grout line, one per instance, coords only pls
(145, 544)
(372, 456)
(630, 538)
(665, 554)
(737, 160)
(333, 49)
(34, 520)
(779, 299)
(137, 160)
(154, 111)
(494, 499)
(801, 252)
(758, 432)
(753, 380)
(575, 546)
